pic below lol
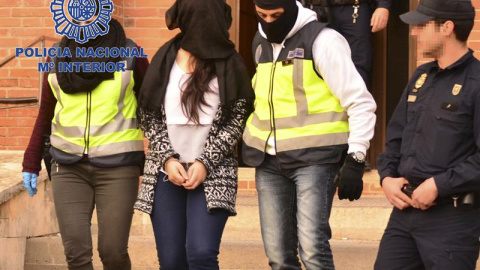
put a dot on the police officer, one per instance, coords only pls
(356, 20)
(433, 148)
(306, 119)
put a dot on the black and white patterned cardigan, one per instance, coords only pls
(219, 156)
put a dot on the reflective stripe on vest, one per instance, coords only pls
(306, 113)
(112, 119)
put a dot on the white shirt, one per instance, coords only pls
(187, 138)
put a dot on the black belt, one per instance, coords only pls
(455, 200)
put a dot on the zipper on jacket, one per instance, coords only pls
(86, 136)
(272, 111)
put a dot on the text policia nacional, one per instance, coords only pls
(82, 52)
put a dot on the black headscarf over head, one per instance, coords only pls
(204, 33)
(204, 25)
(278, 30)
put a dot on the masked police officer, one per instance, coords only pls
(433, 148)
(311, 107)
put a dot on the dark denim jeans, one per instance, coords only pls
(187, 235)
(295, 208)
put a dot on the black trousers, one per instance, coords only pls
(358, 35)
(441, 238)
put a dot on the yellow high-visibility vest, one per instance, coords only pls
(292, 102)
(99, 123)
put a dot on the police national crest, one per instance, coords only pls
(81, 20)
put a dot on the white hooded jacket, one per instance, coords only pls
(332, 58)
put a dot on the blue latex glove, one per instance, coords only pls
(30, 183)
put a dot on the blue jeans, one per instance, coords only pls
(295, 208)
(186, 234)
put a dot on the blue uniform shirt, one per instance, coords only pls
(435, 129)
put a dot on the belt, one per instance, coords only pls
(346, 2)
(460, 199)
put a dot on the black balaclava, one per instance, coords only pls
(278, 30)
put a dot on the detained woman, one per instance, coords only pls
(195, 99)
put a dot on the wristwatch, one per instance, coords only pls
(358, 156)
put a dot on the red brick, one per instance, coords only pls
(141, 12)
(17, 148)
(5, 12)
(147, 32)
(8, 82)
(128, 3)
(37, 22)
(17, 122)
(35, 3)
(23, 112)
(32, 32)
(28, 83)
(9, 21)
(251, 185)
(10, 3)
(23, 92)
(31, 12)
(129, 22)
(5, 32)
(29, 63)
(118, 12)
(20, 131)
(150, 3)
(49, 23)
(3, 131)
(150, 22)
(11, 42)
(23, 142)
(9, 141)
(31, 72)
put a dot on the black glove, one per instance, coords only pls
(350, 183)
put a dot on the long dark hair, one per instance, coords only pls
(196, 86)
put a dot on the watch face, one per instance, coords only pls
(359, 156)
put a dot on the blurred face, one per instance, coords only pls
(269, 15)
(430, 40)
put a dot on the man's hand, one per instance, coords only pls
(175, 171)
(350, 183)
(392, 187)
(30, 183)
(197, 174)
(424, 196)
(379, 19)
